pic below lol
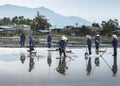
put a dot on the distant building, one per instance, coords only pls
(15, 30)
(56, 28)
(71, 30)
(6, 30)
(23, 29)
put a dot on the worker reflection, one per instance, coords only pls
(22, 58)
(114, 67)
(31, 63)
(89, 67)
(62, 66)
(49, 60)
(97, 62)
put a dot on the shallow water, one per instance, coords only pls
(46, 69)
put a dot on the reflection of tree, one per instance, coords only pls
(114, 67)
(89, 67)
(31, 63)
(62, 66)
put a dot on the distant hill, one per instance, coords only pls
(54, 18)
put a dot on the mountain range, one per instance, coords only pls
(53, 17)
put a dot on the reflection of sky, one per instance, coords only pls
(15, 73)
(9, 57)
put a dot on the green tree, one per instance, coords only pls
(41, 22)
(95, 28)
(109, 26)
(15, 20)
(5, 21)
(95, 25)
(85, 30)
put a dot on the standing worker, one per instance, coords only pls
(97, 42)
(49, 39)
(22, 39)
(114, 44)
(89, 43)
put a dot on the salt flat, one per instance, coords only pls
(43, 69)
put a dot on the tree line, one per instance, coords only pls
(39, 22)
(105, 28)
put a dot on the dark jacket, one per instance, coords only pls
(97, 40)
(115, 43)
(31, 44)
(22, 37)
(62, 44)
(89, 42)
(49, 38)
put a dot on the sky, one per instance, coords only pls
(91, 10)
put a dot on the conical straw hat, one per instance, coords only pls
(88, 36)
(97, 35)
(64, 38)
(114, 36)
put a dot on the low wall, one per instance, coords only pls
(42, 41)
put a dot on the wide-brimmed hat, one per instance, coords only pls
(97, 35)
(114, 36)
(64, 38)
(88, 36)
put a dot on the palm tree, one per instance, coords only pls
(41, 22)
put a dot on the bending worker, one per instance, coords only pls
(31, 44)
(62, 45)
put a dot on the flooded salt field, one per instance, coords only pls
(19, 68)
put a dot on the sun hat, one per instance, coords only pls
(64, 38)
(114, 36)
(88, 36)
(97, 35)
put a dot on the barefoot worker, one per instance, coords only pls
(114, 44)
(89, 43)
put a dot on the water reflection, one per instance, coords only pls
(22, 58)
(62, 68)
(89, 67)
(74, 68)
(97, 62)
(31, 63)
(49, 60)
(63, 62)
(114, 67)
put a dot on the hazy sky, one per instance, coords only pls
(91, 10)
